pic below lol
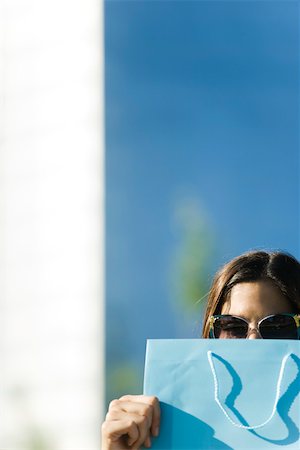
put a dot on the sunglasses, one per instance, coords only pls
(276, 326)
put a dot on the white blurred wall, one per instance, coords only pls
(51, 224)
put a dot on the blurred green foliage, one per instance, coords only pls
(191, 267)
(123, 378)
(36, 440)
(190, 272)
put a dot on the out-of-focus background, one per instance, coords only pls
(202, 159)
(51, 224)
(184, 116)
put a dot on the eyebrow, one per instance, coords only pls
(238, 315)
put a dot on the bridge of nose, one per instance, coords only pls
(253, 333)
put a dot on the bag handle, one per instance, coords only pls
(278, 387)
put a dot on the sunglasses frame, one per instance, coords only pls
(213, 318)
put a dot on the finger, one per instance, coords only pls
(143, 425)
(156, 416)
(141, 421)
(149, 400)
(143, 409)
(118, 414)
(128, 405)
(148, 441)
(143, 435)
(115, 429)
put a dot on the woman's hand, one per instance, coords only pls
(130, 422)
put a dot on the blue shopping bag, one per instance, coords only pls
(238, 394)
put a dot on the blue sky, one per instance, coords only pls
(201, 104)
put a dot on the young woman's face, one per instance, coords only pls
(255, 300)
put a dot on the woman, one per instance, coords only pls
(254, 296)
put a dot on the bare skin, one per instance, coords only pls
(132, 420)
(255, 300)
(130, 423)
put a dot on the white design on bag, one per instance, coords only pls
(216, 393)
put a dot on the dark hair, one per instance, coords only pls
(279, 267)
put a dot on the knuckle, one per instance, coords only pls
(153, 400)
(143, 427)
(146, 410)
(143, 421)
(131, 424)
(110, 415)
(127, 397)
(105, 428)
(113, 404)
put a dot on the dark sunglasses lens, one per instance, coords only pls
(230, 328)
(279, 327)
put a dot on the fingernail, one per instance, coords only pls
(156, 431)
(148, 442)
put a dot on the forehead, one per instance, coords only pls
(255, 300)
